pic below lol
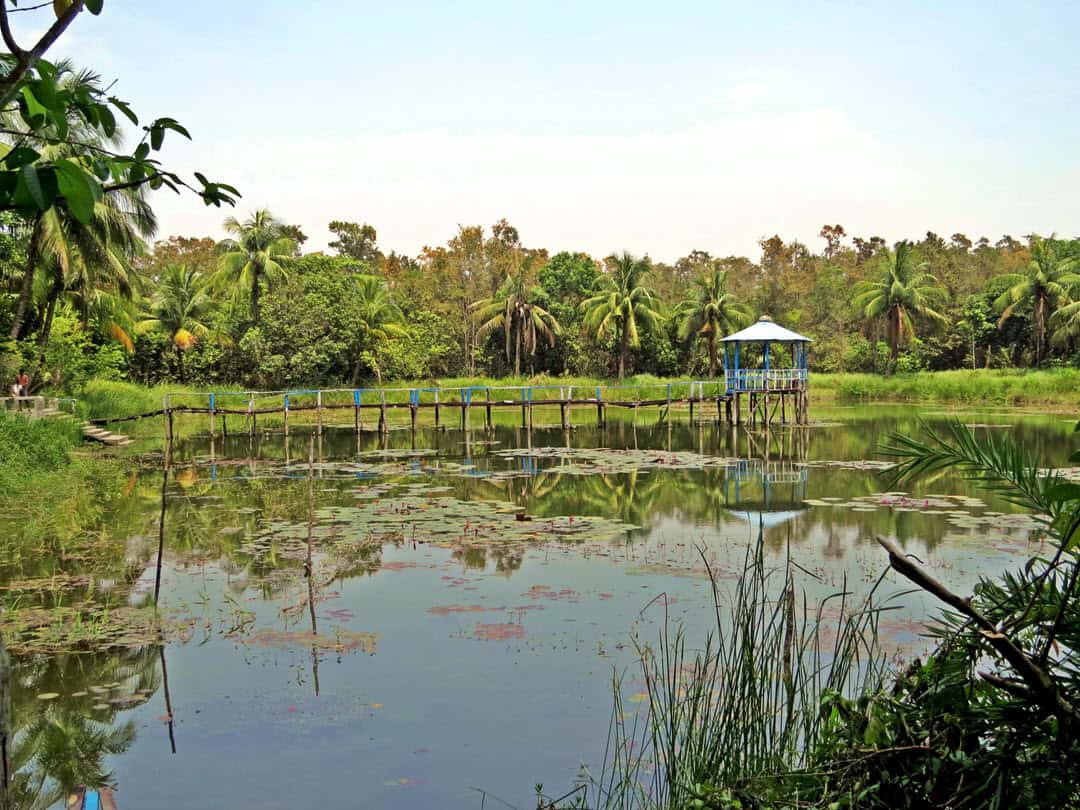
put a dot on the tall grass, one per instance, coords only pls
(30, 447)
(728, 722)
(995, 387)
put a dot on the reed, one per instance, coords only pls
(729, 722)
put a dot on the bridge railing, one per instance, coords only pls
(760, 379)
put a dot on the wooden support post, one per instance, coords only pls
(487, 408)
(691, 403)
(356, 413)
(466, 414)
(599, 408)
(562, 408)
(524, 393)
(383, 426)
(783, 408)
(318, 409)
(224, 426)
(436, 409)
(569, 406)
(251, 416)
(211, 416)
(530, 410)
(285, 413)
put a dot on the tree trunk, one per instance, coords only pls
(255, 300)
(894, 334)
(517, 353)
(50, 309)
(180, 364)
(623, 343)
(27, 288)
(1040, 327)
(712, 355)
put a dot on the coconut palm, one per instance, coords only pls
(1044, 283)
(87, 262)
(710, 312)
(380, 317)
(902, 292)
(515, 310)
(179, 310)
(622, 302)
(251, 258)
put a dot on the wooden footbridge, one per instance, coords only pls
(773, 397)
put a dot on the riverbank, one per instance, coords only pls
(962, 387)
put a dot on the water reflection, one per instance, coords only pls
(247, 544)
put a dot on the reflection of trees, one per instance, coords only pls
(61, 744)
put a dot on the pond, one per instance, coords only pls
(436, 620)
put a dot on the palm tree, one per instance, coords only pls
(515, 310)
(89, 262)
(711, 311)
(1044, 282)
(380, 316)
(250, 259)
(179, 310)
(903, 291)
(622, 302)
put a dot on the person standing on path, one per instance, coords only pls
(24, 385)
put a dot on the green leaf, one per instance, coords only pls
(32, 183)
(1075, 457)
(36, 112)
(94, 6)
(20, 156)
(1064, 492)
(123, 107)
(157, 137)
(142, 152)
(79, 189)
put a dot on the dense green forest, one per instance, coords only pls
(98, 299)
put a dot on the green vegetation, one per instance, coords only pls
(762, 718)
(30, 448)
(996, 387)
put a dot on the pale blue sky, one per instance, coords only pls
(601, 126)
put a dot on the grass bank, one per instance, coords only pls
(30, 449)
(967, 387)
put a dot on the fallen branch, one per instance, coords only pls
(1043, 689)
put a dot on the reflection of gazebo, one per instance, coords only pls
(766, 493)
(768, 385)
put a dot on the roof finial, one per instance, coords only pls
(765, 318)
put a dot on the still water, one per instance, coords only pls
(437, 621)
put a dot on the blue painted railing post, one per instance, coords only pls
(285, 412)
(356, 411)
(599, 407)
(212, 409)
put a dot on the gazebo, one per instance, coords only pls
(768, 388)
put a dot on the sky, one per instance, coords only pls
(658, 128)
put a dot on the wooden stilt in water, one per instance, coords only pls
(569, 415)
(524, 422)
(487, 409)
(285, 413)
(599, 408)
(356, 414)
(318, 409)
(562, 409)
(224, 426)
(436, 410)
(466, 414)
(211, 416)
(383, 426)
(251, 416)
(412, 418)
(414, 406)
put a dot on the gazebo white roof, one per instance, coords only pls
(766, 330)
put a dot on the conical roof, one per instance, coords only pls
(766, 330)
